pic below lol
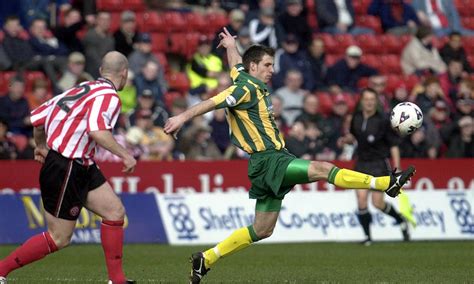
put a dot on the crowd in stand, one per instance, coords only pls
(313, 93)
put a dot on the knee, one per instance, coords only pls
(264, 233)
(319, 170)
(61, 240)
(380, 205)
(116, 213)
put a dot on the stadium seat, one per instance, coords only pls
(196, 22)
(393, 81)
(344, 41)
(361, 6)
(390, 64)
(152, 22)
(20, 141)
(390, 43)
(162, 59)
(372, 60)
(370, 44)
(159, 42)
(170, 97)
(115, 21)
(331, 59)
(468, 43)
(217, 21)
(468, 22)
(312, 20)
(134, 5)
(5, 81)
(411, 81)
(325, 102)
(370, 22)
(363, 83)
(174, 22)
(109, 5)
(178, 81)
(330, 43)
(470, 59)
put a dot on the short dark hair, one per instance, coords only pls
(454, 33)
(255, 54)
(11, 18)
(368, 90)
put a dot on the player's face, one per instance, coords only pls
(369, 102)
(264, 69)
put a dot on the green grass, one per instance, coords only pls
(416, 262)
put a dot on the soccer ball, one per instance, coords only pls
(405, 118)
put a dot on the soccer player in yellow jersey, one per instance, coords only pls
(272, 170)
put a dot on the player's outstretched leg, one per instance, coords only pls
(345, 178)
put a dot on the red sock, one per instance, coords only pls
(35, 248)
(111, 235)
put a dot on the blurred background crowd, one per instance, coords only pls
(327, 52)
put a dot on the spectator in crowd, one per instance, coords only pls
(265, 29)
(416, 145)
(31, 10)
(450, 80)
(146, 101)
(256, 6)
(294, 21)
(280, 119)
(220, 130)
(5, 62)
(441, 16)
(317, 61)
(459, 137)
(317, 143)
(14, 108)
(202, 147)
(397, 16)
(431, 94)
(420, 56)
(310, 112)
(290, 57)
(39, 94)
(292, 95)
(8, 150)
(126, 36)
(243, 40)
(143, 54)
(378, 83)
(297, 142)
(435, 119)
(128, 95)
(338, 17)
(346, 72)
(67, 33)
(453, 49)
(400, 94)
(335, 122)
(97, 42)
(236, 23)
(204, 66)
(74, 73)
(464, 101)
(150, 78)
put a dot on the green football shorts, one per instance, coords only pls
(273, 173)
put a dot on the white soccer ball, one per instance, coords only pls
(405, 118)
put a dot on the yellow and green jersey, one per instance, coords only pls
(249, 113)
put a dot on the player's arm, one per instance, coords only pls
(105, 139)
(174, 124)
(228, 42)
(41, 148)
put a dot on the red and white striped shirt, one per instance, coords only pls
(69, 117)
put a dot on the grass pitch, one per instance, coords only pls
(415, 262)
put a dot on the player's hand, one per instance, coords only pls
(129, 164)
(40, 153)
(227, 40)
(173, 125)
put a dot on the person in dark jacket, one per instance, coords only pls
(397, 16)
(338, 17)
(14, 108)
(126, 36)
(67, 33)
(346, 72)
(294, 21)
(453, 49)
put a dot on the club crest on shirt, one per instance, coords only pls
(231, 101)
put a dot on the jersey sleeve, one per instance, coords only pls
(104, 113)
(231, 97)
(235, 71)
(39, 114)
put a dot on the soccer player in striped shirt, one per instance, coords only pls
(272, 170)
(67, 129)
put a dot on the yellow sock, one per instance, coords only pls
(351, 179)
(239, 239)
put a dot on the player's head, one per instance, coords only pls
(258, 61)
(115, 68)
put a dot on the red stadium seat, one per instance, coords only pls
(170, 97)
(390, 64)
(393, 81)
(470, 59)
(363, 83)
(468, 22)
(5, 81)
(468, 42)
(310, 5)
(330, 43)
(134, 5)
(174, 22)
(312, 20)
(370, 22)
(109, 5)
(20, 141)
(411, 81)
(344, 41)
(152, 22)
(114, 21)
(331, 59)
(370, 44)
(196, 22)
(361, 6)
(217, 21)
(372, 60)
(325, 102)
(162, 59)
(178, 81)
(159, 42)
(391, 43)
(31, 77)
